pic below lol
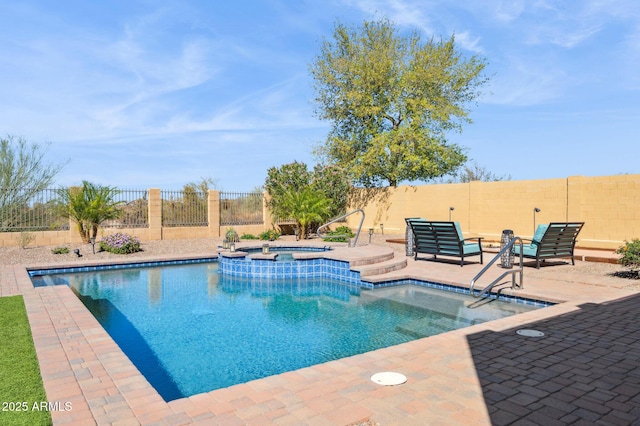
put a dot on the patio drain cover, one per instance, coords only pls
(530, 333)
(388, 378)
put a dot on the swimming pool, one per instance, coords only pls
(189, 329)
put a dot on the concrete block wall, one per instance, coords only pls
(609, 206)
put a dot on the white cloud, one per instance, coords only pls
(401, 12)
(525, 83)
(574, 38)
(467, 42)
(506, 10)
(138, 80)
(268, 108)
(431, 19)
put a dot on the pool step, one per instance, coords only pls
(382, 267)
(424, 327)
(373, 259)
(369, 261)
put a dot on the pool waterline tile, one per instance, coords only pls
(304, 268)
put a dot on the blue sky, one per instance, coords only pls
(140, 94)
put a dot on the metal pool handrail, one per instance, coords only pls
(513, 273)
(355, 240)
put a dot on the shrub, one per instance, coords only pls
(248, 237)
(120, 243)
(269, 235)
(340, 230)
(630, 255)
(60, 250)
(25, 238)
(231, 235)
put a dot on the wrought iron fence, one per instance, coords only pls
(241, 208)
(135, 209)
(30, 210)
(27, 210)
(285, 221)
(184, 208)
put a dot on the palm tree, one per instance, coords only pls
(88, 206)
(306, 207)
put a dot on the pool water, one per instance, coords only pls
(189, 329)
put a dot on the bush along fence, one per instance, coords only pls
(151, 214)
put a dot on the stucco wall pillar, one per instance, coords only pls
(213, 212)
(155, 214)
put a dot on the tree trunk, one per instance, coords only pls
(84, 233)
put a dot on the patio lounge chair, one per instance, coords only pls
(555, 240)
(443, 238)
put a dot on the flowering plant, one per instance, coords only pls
(630, 254)
(120, 243)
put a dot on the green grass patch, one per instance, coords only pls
(20, 381)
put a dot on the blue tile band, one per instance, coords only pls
(301, 269)
(76, 269)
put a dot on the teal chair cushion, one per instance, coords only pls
(457, 224)
(468, 247)
(542, 228)
(471, 248)
(532, 249)
(529, 250)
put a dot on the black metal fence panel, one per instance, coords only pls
(134, 204)
(184, 208)
(241, 208)
(28, 210)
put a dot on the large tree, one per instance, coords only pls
(23, 174)
(392, 100)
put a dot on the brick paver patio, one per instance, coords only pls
(584, 370)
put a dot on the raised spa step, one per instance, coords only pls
(378, 268)
(360, 256)
(372, 260)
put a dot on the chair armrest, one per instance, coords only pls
(473, 238)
